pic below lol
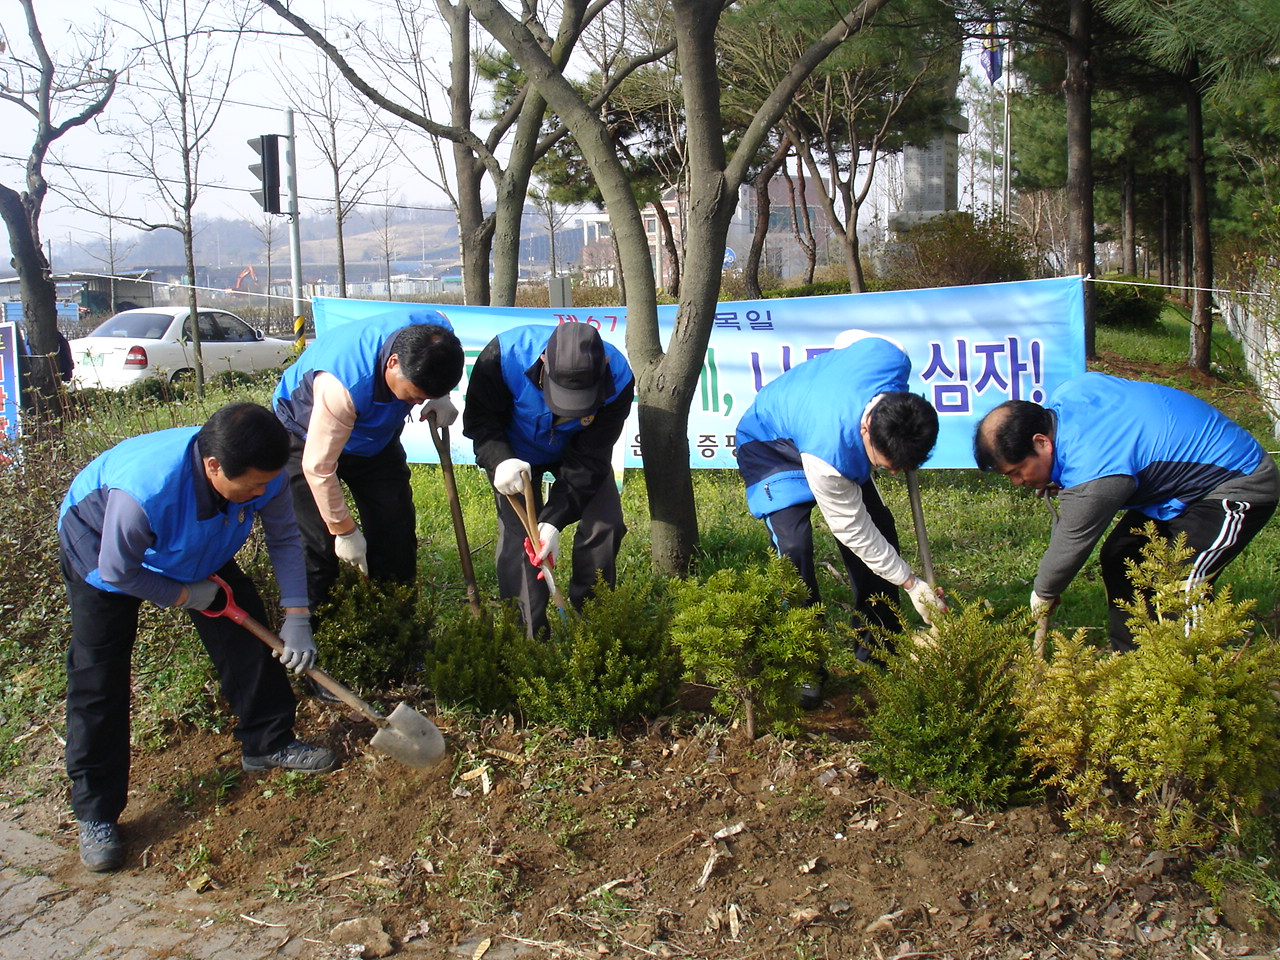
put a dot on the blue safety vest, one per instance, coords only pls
(356, 354)
(814, 408)
(163, 473)
(532, 431)
(1175, 446)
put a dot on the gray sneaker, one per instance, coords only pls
(294, 755)
(100, 847)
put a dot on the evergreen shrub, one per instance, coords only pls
(1118, 303)
(749, 633)
(1184, 727)
(819, 288)
(604, 665)
(944, 718)
(468, 664)
(373, 634)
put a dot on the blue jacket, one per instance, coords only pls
(192, 532)
(1176, 447)
(814, 408)
(531, 430)
(356, 354)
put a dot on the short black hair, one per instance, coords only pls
(243, 437)
(904, 428)
(1006, 434)
(430, 357)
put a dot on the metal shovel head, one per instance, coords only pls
(410, 737)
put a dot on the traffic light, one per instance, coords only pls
(267, 171)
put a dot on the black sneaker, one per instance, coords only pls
(809, 695)
(294, 755)
(100, 847)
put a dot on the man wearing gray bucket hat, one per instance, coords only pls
(551, 399)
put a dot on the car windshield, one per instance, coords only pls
(144, 326)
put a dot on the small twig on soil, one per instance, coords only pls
(696, 837)
(556, 947)
(261, 923)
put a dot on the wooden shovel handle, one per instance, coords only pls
(441, 439)
(237, 615)
(528, 515)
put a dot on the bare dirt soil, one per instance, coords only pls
(681, 840)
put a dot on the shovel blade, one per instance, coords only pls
(410, 738)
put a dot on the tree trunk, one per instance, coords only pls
(1201, 240)
(760, 185)
(1128, 221)
(669, 245)
(39, 309)
(339, 215)
(188, 250)
(1077, 88)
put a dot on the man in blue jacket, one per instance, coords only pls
(1102, 445)
(551, 399)
(345, 401)
(152, 519)
(812, 437)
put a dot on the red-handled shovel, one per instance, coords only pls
(405, 735)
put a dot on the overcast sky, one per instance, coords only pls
(255, 104)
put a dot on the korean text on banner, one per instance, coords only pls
(971, 348)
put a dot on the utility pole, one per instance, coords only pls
(295, 237)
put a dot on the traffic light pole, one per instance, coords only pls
(295, 237)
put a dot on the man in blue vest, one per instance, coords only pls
(1102, 445)
(152, 519)
(345, 401)
(551, 399)
(812, 437)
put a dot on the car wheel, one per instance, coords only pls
(182, 377)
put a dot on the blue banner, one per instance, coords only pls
(971, 348)
(10, 388)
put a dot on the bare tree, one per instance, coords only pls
(266, 226)
(386, 237)
(554, 216)
(353, 157)
(403, 89)
(178, 41)
(58, 97)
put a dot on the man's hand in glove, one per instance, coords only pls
(925, 599)
(441, 409)
(201, 595)
(299, 653)
(550, 551)
(508, 476)
(353, 548)
(1040, 607)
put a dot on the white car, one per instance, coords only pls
(156, 342)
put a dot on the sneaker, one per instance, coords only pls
(100, 847)
(294, 755)
(809, 695)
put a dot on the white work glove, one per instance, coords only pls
(353, 548)
(507, 476)
(299, 653)
(201, 595)
(443, 408)
(925, 599)
(1040, 607)
(550, 550)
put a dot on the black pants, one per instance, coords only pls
(792, 531)
(1217, 530)
(383, 499)
(596, 542)
(104, 627)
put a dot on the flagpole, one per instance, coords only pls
(1008, 81)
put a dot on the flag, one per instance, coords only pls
(992, 59)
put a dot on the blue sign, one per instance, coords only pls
(10, 387)
(971, 348)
